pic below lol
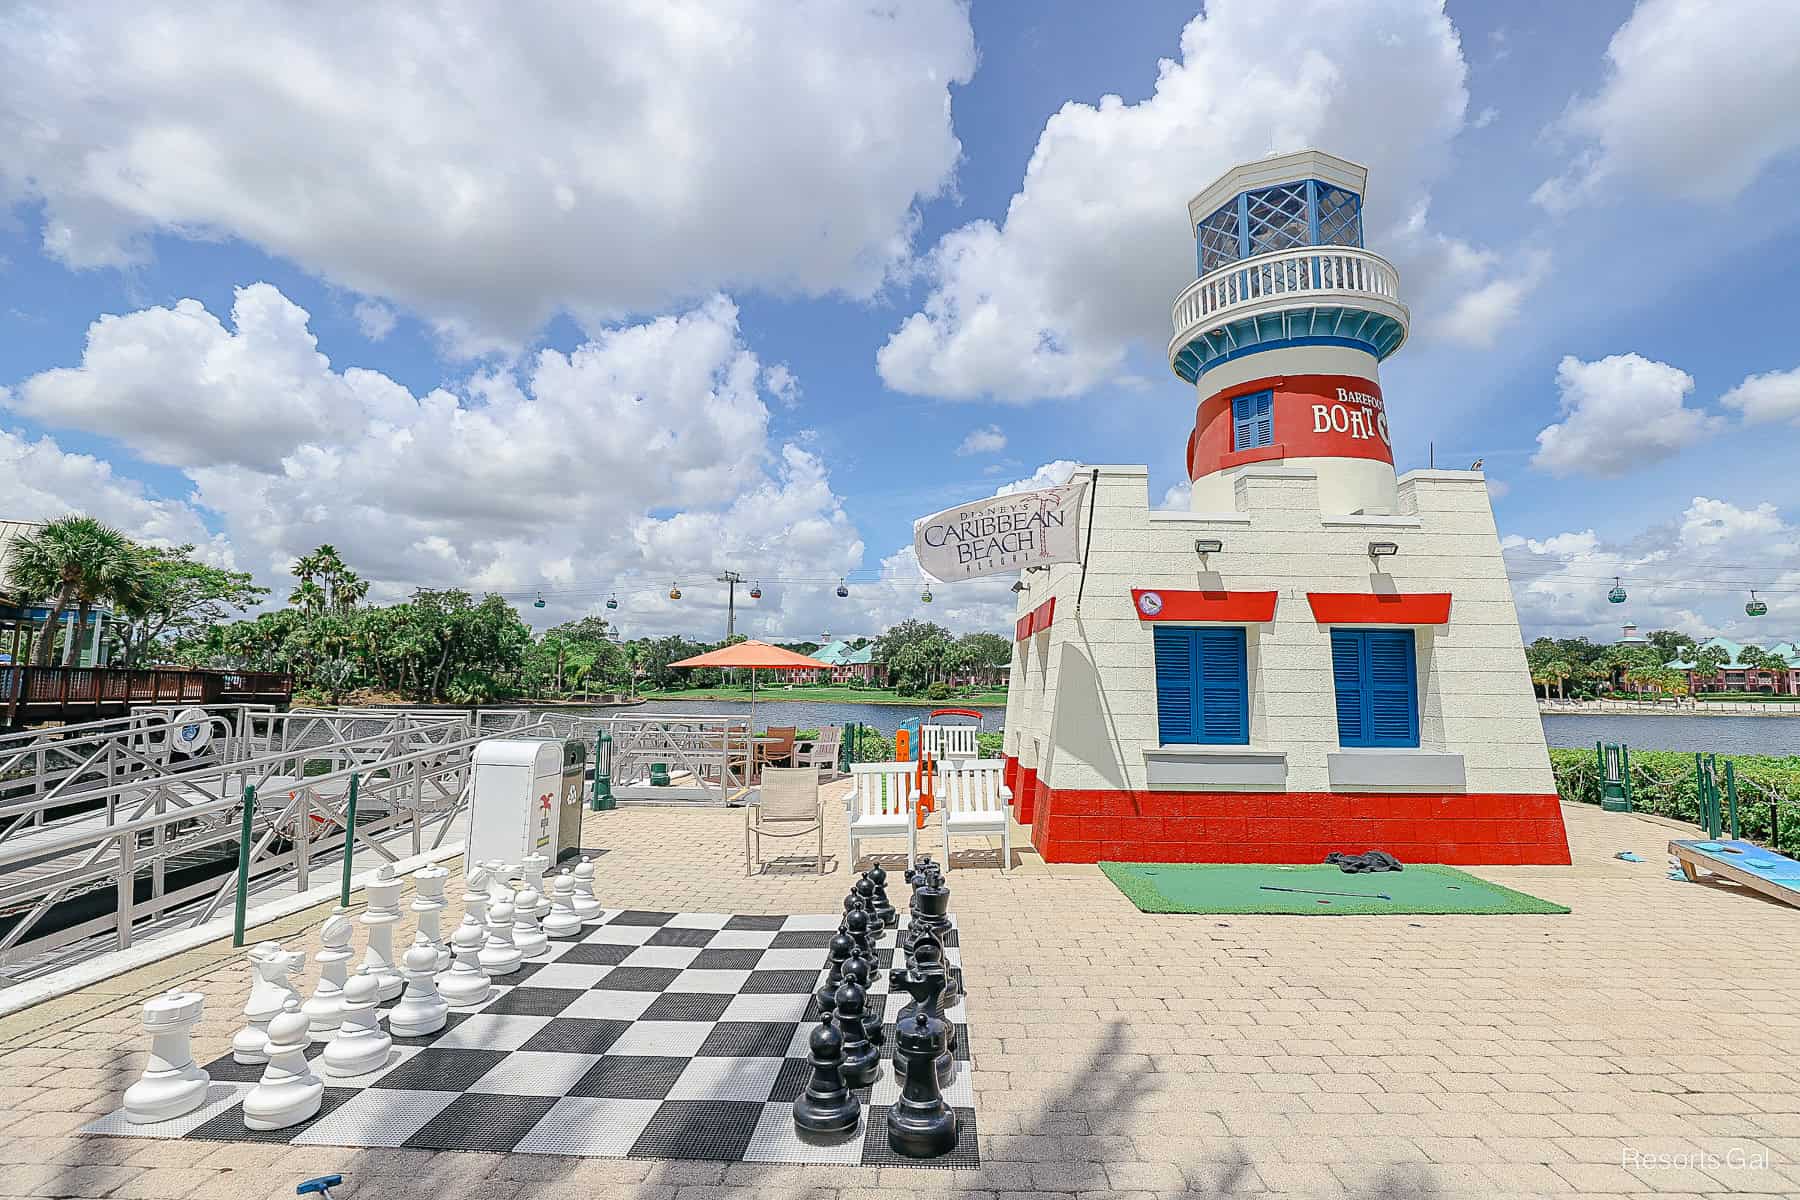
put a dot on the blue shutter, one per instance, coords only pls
(1243, 422)
(1265, 418)
(1393, 688)
(1174, 684)
(1224, 694)
(1375, 678)
(1346, 677)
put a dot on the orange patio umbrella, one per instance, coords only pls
(754, 656)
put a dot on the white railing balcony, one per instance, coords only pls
(1305, 275)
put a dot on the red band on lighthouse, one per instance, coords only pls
(1315, 416)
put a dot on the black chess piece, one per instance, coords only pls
(857, 923)
(861, 1060)
(841, 948)
(931, 905)
(929, 957)
(827, 1106)
(919, 1123)
(861, 971)
(884, 908)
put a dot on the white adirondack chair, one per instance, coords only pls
(943, 742)
(973, 799)
(821, 753)
(880, 804)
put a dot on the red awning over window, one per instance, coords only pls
(1168, 604)
(1380, 608)
(1036, 621)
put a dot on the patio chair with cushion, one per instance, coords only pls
(789, 805)
(821, 752)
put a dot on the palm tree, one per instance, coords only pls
(1558, 672)
(72, 561)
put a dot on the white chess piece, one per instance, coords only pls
(586, 906)
(428, 904)
(270, 967)
(563, 920)
(498, 955)
(500, 878)
(326, 1005)
(475, 901)
(465, 985)
(421, 1010)
(527, 937)
(360, 1045)
(381, 915)
(533, 871)
(289, 1092)
(171, 1084)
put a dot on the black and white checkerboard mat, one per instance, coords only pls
(652, 1035)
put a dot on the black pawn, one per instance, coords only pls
(884, 908)
(827, 1106)
(919, 1123)
(858, 969)
(841, 948)
(861, 1059)
(856, 922)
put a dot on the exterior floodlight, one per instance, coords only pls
(1383, 549)
(1018, 585)
(1205, 546)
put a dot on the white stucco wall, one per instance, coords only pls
(1088, 710)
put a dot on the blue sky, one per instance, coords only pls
(626, 301)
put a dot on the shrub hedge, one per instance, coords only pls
(1664, 782)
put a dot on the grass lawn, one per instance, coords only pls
(1315, 890)
(825, 692)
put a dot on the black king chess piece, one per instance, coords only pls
(919, 1123)
(827, 1106)
(884, 908)
(862, 1061)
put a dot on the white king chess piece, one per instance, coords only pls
(326, 1005)
(289, 1092)
(586, 906)
(270, 987)
(382, 891)
(171, 1084)
(465, 984)
(421, 1010)
(563, 920)
(361, 1045)
(428, 905)
(533, 871)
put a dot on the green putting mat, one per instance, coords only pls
(1318, 890)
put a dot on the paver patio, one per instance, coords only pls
(1126, 1054)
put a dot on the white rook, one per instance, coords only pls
(171, 1083)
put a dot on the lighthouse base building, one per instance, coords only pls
(1320, 656)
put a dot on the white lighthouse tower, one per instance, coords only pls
(1320, 655)
(1284, 332)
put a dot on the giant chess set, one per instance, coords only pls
(547, 1024)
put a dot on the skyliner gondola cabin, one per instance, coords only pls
(1318, 656)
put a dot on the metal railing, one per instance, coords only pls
(1317, 272)
(417, 777)
(695, 759)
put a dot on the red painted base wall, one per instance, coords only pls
(1290, 827)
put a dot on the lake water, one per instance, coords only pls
(1723, 735)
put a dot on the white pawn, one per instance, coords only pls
(361, 1045)
(171, 1084)
(421, 1010)
(326, 1005)
(527, 937)
(498, 955)
(466, 984)
(533, 870)
(428, 905)
(586, 906)
(270, 988)
(383, 912)
(289, 1092)
(563, 920)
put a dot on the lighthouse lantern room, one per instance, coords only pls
(1318, 656)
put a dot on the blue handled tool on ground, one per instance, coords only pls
(320, 1187)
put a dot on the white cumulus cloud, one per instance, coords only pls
(1620, 413)
(376, 319)
(1771, 396)
(986, 440)
(1696, 103)
(485, 166)
(1095, 245)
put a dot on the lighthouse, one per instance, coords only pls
(1320, 654)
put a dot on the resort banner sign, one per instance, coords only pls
(1001, 534)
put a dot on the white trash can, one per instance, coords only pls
(518, 798)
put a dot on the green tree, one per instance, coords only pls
(74, 561)
(1671, 644)
(180, 598)
(1709, 661)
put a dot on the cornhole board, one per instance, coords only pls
(1755, 867)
